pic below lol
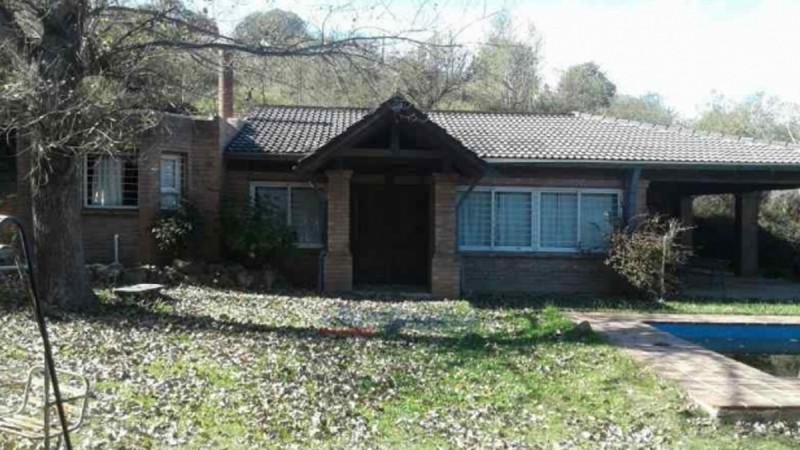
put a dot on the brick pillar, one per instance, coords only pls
(225, 89)
(338, 260)
(687, 219)
(205, 184)
(747, 233)
(445, 270)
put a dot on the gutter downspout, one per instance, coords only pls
(634, 175)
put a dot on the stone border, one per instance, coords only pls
(725, 388)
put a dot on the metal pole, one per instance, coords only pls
(49, 366)
(663, 267)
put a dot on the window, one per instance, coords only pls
(559, 220)
(512, 225)
(297, 205)
(523, 219)
(598, 214)
(111, 182)
(172, 178)
(475, 219)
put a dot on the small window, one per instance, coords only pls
(295, 206)
(172, 181)
(559, 220)
(475, 220)
(512, 219)
(111, 182)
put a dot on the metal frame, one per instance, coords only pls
(289, 186)
(26, 269)
(84, 181)
(536, 216)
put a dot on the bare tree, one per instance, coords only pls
(432, 74)
(85, 76)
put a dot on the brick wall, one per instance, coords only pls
(338, 260)
(445, 273)
(197, 139)
(537, 272)
(99, 228)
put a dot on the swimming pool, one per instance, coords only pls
(772, 348)
(737, 337)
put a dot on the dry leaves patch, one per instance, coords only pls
(216, 369)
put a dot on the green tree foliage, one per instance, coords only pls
(648, 108)
(256, 236)
(586, 88)
(758, 116)
(273, 27)
(336, 80)
(506, 69)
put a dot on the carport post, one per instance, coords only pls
(687, 219)
(747, 233)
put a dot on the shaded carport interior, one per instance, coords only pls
(672, 191)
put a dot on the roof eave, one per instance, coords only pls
(682, 165)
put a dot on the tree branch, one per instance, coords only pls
(10, 31)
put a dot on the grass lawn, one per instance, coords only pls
(678, 306)
(213, 369)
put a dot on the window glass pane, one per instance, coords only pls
(475, 220)
(306, 216)
(598, 214)
(169, 174)
(275, 200)
(559, 217)
(104, 180)
(130, 183)
(512, 219)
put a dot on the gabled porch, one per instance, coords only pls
(391, 182)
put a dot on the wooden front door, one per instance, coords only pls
(390, 234)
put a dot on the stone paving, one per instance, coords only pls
(725, 388)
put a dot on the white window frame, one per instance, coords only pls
(289, 185)
(85, 181)
(178, 178)
(536, 216)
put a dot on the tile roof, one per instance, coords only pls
(578, 137)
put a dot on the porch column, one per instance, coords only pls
(747, 233)
(445, 271)
(687, 219)
(338, 260)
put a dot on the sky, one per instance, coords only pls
(684, 50)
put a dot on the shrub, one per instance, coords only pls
(255, 235)
(648, 254)
(780, 237)
(175, 231)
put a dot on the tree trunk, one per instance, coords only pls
(58, 245)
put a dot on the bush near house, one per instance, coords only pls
(175, 231)
(255, 236)
(638, 255)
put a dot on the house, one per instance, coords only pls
(444, 201)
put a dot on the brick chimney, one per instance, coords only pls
(226, 85)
